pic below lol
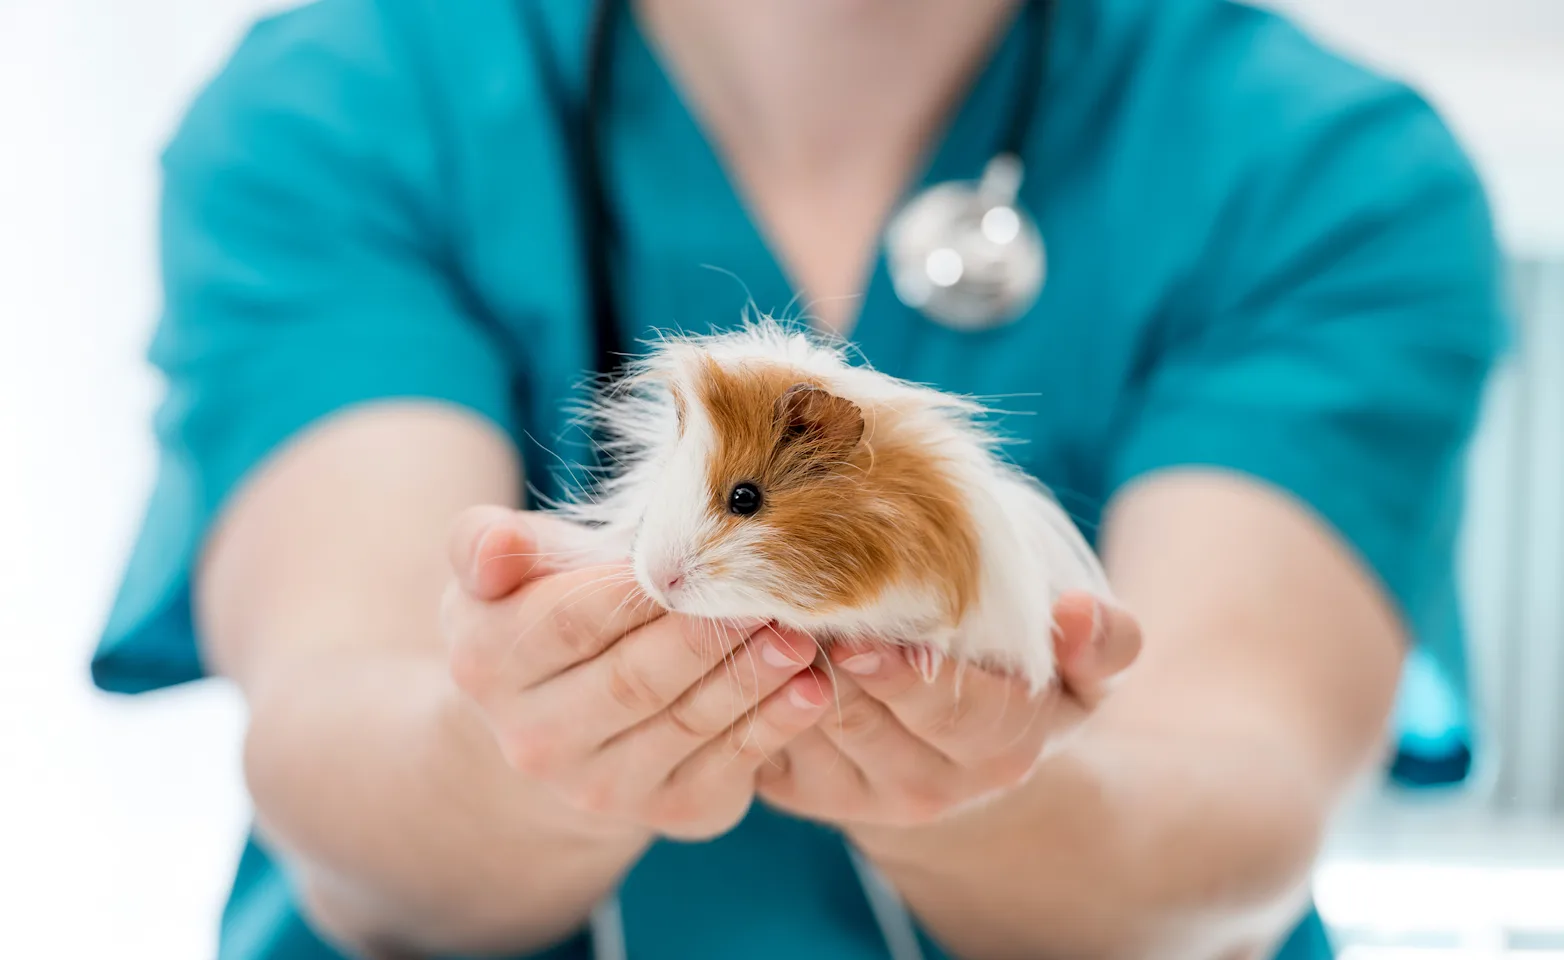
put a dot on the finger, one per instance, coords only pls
(967, 713)
(904, 771)
(500, 649)
(641, 676)
(811, 778)
(494, 550)
(709, 793)
(467, 533)
(759, 738)
(1097, 641)
(646, 756)
(726, 695)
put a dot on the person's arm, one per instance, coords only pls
(1283, 486)
(379, 780)
(1183, 819)
(335, 400)
(459, 739)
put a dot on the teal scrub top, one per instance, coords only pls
(1263, 259)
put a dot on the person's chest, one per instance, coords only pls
(686, 255)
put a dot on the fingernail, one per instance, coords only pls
(926, 660)
(862, 664)
(485, 543)
(1099, 623)
(799, 699)
(773, 653)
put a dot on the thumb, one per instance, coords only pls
(1097, 642)
(495, 550)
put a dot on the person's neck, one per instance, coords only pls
(803, 88)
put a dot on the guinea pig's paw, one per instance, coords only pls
(925, 659)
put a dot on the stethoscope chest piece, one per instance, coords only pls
(966, 254)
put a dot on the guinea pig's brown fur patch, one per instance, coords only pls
(854, 499)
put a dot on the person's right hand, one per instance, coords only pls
(645, 717)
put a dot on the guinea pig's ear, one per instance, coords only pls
(807, 413)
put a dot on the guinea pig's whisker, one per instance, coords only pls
(593, 588)
(527, 630)
(836, 700)
(751, 305)
(577, 551)
(634, 597)
(735, 682)
(957, 690)
(570, 468)
(752, 716)
(596, 586)
(627, 601)
(728, 674)
(714, 640)
(537, 555)
(1004, 708)
(701, 683)
(1037, 710)
(754, 668)
(1059, 493)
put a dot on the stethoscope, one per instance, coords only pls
(964, 253)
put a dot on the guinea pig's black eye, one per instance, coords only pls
(744, 500)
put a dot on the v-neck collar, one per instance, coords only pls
(691, 254)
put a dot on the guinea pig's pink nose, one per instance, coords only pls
(668, 577)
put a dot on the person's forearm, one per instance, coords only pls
(1183, 819)
(387, 794)
(374, 779)
(1126, 844)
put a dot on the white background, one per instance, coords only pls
(120, 820)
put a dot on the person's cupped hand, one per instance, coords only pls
(637, 718)
(899, 750)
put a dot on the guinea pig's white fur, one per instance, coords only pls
(656, 507)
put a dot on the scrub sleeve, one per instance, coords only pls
(305, 252)
(1342, 360)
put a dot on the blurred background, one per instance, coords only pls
(120, 820)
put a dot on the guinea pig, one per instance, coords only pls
(759, 473)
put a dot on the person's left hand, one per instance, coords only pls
(901, 751)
